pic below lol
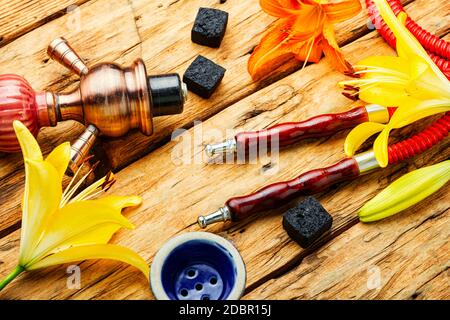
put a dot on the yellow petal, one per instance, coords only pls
(59, 158)
(406, 115)
(28, 144)
(408, 43)
(78, 218)
(100, 235)
(41, 199)
(101, 251)
(387, 64)
(121, 202)
(424, 83)
(359, 135)
(384, 95)
(380, 147)
(406, 191)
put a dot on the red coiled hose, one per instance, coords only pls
(421, 142)
(442, 64)
(439, 51)
(429, 41)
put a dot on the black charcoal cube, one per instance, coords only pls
(209, 27)
(307, 222)
(203, 77)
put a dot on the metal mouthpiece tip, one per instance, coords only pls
(209, 149)
(228, 146)
(221, 215)
(202, 222)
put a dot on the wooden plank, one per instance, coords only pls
(174, 194)
(437, 288)
(145, 29)
(403, 257)
(18, 17)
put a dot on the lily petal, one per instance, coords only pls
(41, 200)
(280, 8)
(407, 115)
(59, 158)
(406, 191)
(332, 51)
(100, 235)
(28, 144)
(77, 218)
(341, 11)
(101, 251)
(385, 95)
(309, 52)
(409, 44)
(380, 147)
(273, 50)
(359, 135)
(386, 64)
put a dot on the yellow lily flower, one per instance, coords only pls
(58, 227)
(406, 191)
(411, 81)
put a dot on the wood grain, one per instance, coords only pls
(175, 192)
(398, 258)
(18, 17)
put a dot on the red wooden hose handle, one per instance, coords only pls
(314, 181)
(291, 132)
(284, 134)
(277, 194)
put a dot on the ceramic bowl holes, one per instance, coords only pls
(198, 266)
(199, 270)
(199, 282)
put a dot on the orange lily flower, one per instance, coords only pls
(304, 31)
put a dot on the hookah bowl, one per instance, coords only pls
(198, 266)
(110, 100)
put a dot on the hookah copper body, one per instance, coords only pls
(110, 100)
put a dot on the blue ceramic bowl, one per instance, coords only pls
(198, 266)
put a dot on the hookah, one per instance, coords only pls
(110, 100)
(314, 181)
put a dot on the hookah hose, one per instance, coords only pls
(314, 181)
(438, 49)
(317, 180)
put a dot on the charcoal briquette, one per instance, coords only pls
(203, 76)
(306, 222)
(209, 27)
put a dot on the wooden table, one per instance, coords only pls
(408, 254)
